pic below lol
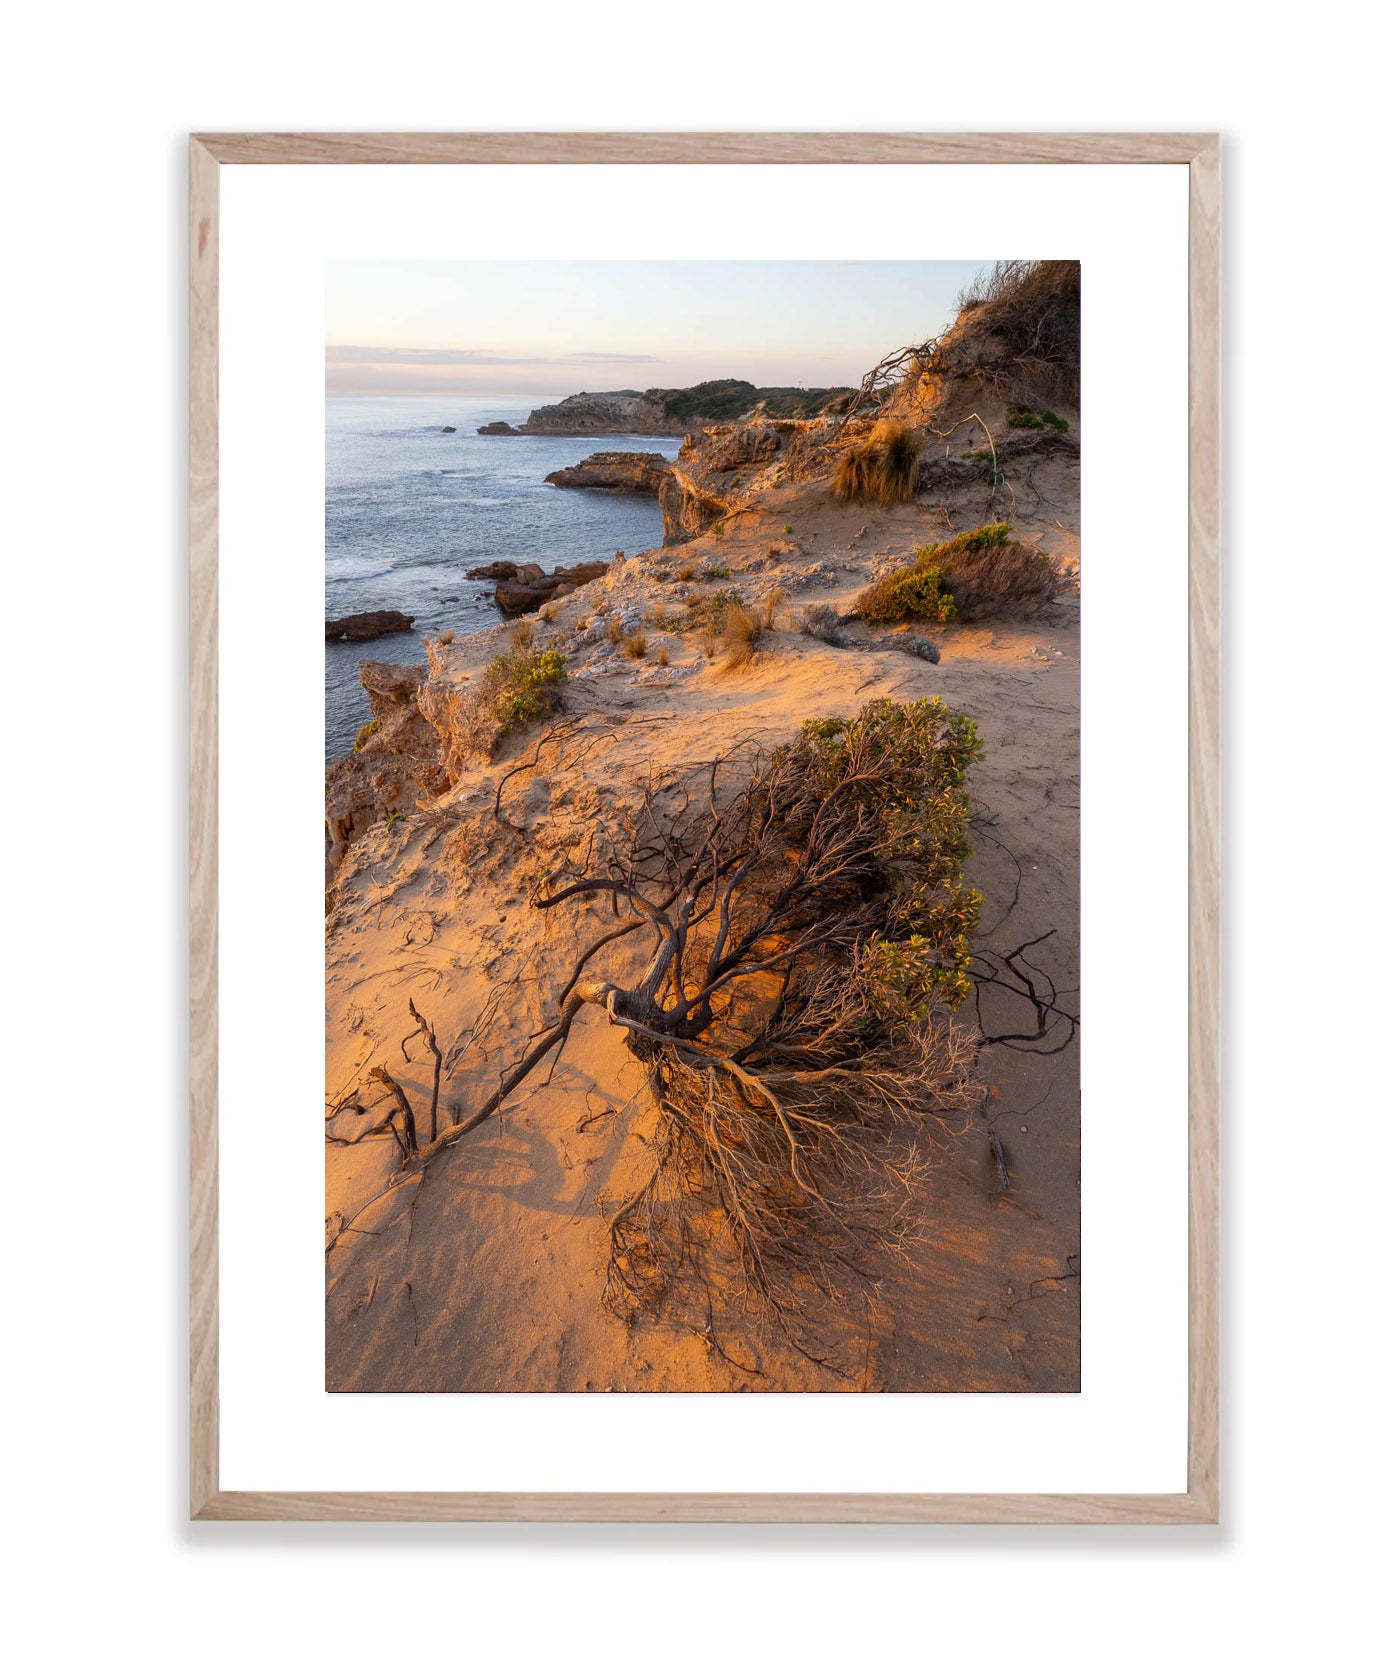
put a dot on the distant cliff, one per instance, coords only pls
(670, 413)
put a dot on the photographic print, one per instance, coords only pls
(702, 826)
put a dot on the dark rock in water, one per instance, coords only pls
(497, 428)
(516, 598)
(526, 593)
(365, 626)
(615, 469)
(496, 569)
(449, 428)
(448, 600)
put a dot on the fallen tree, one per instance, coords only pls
(797, 934)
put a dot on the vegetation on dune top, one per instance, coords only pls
(731, 399)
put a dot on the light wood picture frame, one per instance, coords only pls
(1200, 153)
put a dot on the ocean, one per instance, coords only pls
(409, 509)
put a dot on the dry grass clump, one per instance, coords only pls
(548, 611)
(615, 631)
(663, 656)
(516, 687)
(686, 573)
(446, 638)
(635, 645)
(773, 597)
(883, 467)
(975, 575)
(740, 636)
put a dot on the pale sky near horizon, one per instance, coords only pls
(553, 328)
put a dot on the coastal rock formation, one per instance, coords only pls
(397, 764)
(365, 626)
(533, 587)
(622, 470)
(449, 428)
(721, 468)
(495, 569)
(666, 412)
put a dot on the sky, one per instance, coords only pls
(554, 328)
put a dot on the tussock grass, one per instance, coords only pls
(615, 631)
(883, 467)
(740, 636)
(773, 598)
(635, 645)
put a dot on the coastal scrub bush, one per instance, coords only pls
(366, 730)
(883, 467)
(973, 575)
(913, 592)
(516, 687)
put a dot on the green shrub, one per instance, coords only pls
(516, 687)
(920, 752)
(365, 731)
(914, 592)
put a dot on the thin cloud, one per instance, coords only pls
(363, 355)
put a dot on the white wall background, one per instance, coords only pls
(98, 100)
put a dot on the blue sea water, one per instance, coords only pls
(409, 509)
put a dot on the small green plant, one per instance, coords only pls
(787, 530)
(516, 687)
(668, 621)
(395, 817)
(365, 731)
(717, 528)
(720, 571)
(1026, 419)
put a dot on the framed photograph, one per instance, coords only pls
(741, 880)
